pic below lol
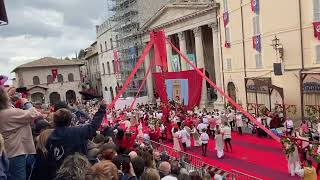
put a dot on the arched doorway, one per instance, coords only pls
(232, 91)
(54, 97)
(37, 97)
(71, 96)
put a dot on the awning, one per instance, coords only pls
(3, 14)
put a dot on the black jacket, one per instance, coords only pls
(65, 141)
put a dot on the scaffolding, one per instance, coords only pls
(129, 42)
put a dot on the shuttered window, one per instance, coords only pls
(225, 5)
(228, 66)
(228, 39)
(258, 58)
(316, 10)
(318, 54)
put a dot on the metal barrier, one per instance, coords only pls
(195, 163)
(236, 175)
(192, 161)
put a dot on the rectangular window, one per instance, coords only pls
(225, 5)
(256, 25)
(316, 10)
(258, 59)
(105, 44)
(318, 54)
(228, 35)
(228, 64)
(101, 47)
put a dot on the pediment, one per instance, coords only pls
(175, 12)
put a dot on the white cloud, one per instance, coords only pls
(40, 28)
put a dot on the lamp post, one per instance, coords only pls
(278, 47)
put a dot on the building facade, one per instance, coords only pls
(38, 77)
(128, 17)
(107, 61)
(192, 27)
(93, 69)
(270, 54)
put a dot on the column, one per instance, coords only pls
(169, 54)
(200, 63)
(183, 49)
(149, 82)
(217, 67)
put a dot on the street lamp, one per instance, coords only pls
(278, 47)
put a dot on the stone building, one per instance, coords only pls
(271, 56)
(93, 69)
(37, 77)
(193, 28)
(107, 60)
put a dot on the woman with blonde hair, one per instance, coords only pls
(150, 174)
(40, 167)
(105, 170)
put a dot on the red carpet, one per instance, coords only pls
(259, 157)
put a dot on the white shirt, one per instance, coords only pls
(239, 120)
(184, 135)
(226, 131)
(202, 126)
(288, 124)
(205, 120)
(204, 137)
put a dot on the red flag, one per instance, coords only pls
(54, 73)
(225, 18)
(316, 28)
(227, 45)
(160, 49)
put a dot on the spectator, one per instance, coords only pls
(308, 172)
(65, 140)
(75, 167)
(105, 170)
(138, 165)
(41, 168)
(16, 130)
(4, 162)
(164, 169)
(194, 175)
(150, 174)
(108, 152)
(124, 166)
(226, 131)
(204, 137)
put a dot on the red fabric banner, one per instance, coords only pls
(248, 115)
(316, 29)
(54, 73)
(160, 50)
(143, 82)
(133, 72)
(194, 80)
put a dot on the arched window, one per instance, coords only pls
(70, 77)
(36, 80)
(60, 78)
(49, 79)
(108, 67)
(111, 93)
(114, 67)
(105, 44)
(104, 69)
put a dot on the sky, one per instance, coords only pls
(41, 28)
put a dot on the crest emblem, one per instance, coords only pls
(318, 28)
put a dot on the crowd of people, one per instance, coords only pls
(89, 141)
